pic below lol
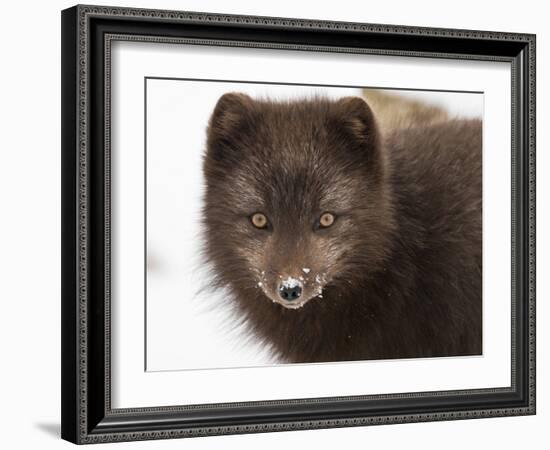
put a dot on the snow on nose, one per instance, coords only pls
(290, 289)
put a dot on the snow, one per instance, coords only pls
(290, 282)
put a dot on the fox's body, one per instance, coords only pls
(339, 242)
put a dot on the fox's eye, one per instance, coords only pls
(259, 220)
(326, 220)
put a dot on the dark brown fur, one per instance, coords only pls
(400, 269)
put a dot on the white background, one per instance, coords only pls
(30, 190)
(188, 326)
(170, 153)
(186, 330)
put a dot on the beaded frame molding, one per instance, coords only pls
(87, 34)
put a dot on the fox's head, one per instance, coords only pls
(296, 205)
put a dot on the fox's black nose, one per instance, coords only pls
(290, 289)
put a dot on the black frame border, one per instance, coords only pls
(87, 31)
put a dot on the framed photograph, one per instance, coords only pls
(267, 222)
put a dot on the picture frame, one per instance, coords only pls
(88, 366)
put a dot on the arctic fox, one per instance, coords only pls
(340, 239)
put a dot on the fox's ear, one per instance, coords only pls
(230, 119)
(358, 118)
(357, 131)
(232, 108)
